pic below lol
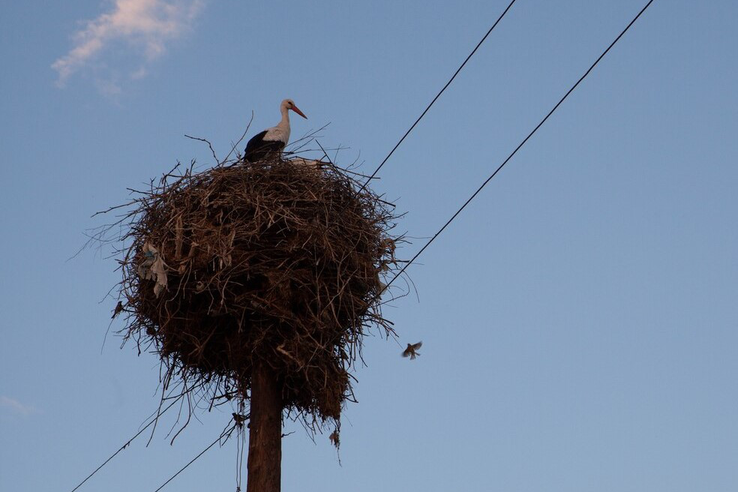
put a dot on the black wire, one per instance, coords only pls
(158, 414)
(225, 433)
(519, 146)
(437, 95)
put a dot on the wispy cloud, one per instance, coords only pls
(139, 27)
(17, 407)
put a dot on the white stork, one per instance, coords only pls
(272, 140)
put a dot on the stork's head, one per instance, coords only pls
(289, 104)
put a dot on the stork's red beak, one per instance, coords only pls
(297, 110)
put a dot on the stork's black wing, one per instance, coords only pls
(257, 148)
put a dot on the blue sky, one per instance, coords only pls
(579, 320)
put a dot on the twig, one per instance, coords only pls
(209, 145)
(240, 139)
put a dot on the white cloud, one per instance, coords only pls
(108, 87)
(139, 73)
(17, 407)
(143, 26)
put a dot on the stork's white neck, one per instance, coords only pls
(280, 132)
(285, 121)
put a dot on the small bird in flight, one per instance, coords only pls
(412, 350)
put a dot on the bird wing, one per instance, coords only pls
(416, 346)
(255, 142)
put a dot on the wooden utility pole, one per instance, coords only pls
(265, 431)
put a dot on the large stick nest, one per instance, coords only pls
(274, 261)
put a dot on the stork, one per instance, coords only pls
(273, 140)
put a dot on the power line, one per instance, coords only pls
(518, 147)
(127, 443)
(437, 96)
(225, 433)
